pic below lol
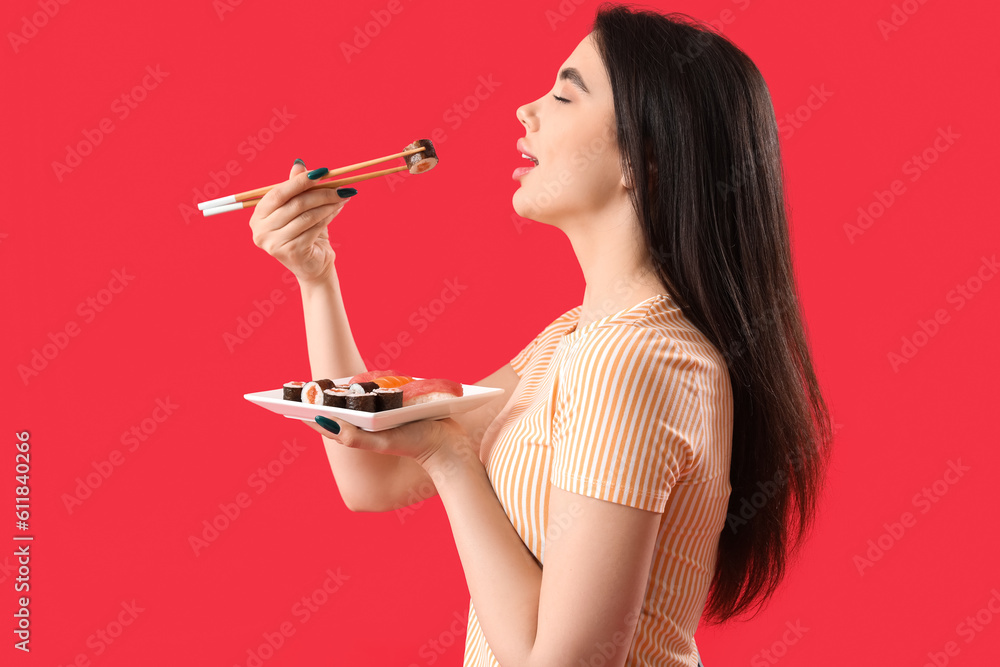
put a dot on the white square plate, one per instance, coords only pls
(473, 397)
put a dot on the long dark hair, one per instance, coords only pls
(699, 142)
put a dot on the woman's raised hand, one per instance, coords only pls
(290, 223)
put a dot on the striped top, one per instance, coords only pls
(635, 408)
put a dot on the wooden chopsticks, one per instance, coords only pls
(251, 198)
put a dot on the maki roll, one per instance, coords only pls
(417, 163)
(312, 392)
(388, 398)
(364, 387)
(292, 391)
(364, 402)
(336, 397)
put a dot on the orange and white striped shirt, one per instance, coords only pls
(635, 408)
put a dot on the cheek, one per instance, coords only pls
(580, 176)
(591, 168)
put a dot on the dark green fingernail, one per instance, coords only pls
(346, 192)
(299, 161)
(318, 173)
(328, 424)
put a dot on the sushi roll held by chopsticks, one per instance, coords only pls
(419, 157)
(418, 163)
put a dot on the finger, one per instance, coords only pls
(280, 194)
(297, 168)
(398, 440)
(296, 207)
(348, 434)
(318, 232)
(316, 427)
(306, 227)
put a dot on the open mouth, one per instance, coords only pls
(521, 171)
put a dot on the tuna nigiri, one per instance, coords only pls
(423, 391)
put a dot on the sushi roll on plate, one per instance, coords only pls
(381, 408)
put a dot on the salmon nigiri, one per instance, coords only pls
(391, 381)
(369, 376)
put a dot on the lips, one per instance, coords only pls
(521, 171)
(523, 147)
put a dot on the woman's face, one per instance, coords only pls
(574, 141)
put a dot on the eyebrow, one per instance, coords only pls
(573, 75)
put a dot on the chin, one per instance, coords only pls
(536, 206)
(526, 208)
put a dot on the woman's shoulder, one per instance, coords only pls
(658, 332)
(559, 326)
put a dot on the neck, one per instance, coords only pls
(616, 266)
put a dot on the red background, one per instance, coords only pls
(163, 336)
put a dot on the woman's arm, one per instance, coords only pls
(291, 224)
(369, 481)
(597, 562)
(597, 555)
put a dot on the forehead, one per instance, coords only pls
(587, 61)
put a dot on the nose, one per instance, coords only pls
(526, 114)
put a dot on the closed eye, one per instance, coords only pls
(561, 99)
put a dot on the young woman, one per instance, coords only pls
(660, 447)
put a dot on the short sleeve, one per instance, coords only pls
(521, 359)
(627, 417)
